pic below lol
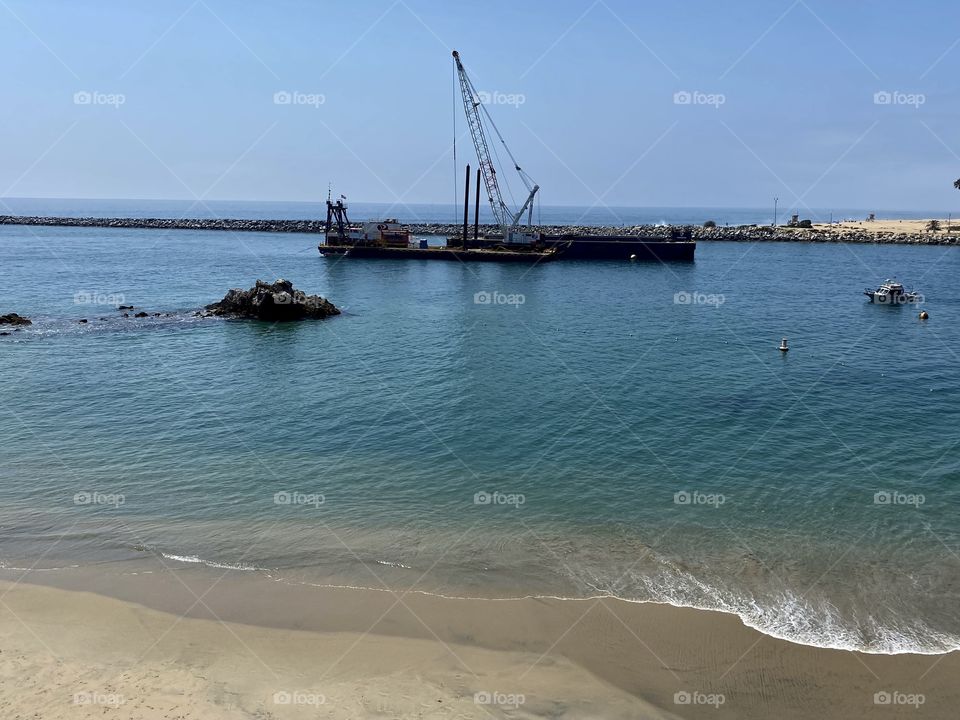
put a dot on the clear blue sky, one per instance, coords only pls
(598, 82)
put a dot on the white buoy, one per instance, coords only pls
(633, 257)
(783, 345)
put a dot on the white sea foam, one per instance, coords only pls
(209, 563)
(794, 617)
(784, 615)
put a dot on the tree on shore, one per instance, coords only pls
(934, 225)
(956, 184)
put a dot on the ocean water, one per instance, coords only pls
(571, 429)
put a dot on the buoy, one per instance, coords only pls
(783, 345)
(923, 315)
(633, 257)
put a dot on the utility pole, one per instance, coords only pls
(476, 211)
(466, 207)
(776, 201)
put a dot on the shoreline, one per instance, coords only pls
(568, 658)
(899, 232)
(809, 626)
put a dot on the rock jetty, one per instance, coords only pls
(741, 233)
(275, 302)
(233, 225)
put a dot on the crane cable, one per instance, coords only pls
(505, 178)
(516, 166)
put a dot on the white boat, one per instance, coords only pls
(892, 293)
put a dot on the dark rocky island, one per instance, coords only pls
(275, 302)
(14, 319)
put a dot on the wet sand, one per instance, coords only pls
(195, 643)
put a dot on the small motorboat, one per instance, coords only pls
(892, 293)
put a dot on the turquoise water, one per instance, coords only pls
(584, 396)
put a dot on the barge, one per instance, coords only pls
(389, 240)
(679, 247)
(621, 247)
(564, 247)
(379, 252)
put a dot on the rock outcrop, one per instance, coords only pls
(275, 302)
(14, 319)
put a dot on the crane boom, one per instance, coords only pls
(472, 106)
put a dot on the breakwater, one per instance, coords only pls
(226, 224)
(743, 233)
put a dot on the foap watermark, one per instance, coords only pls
(507, 700)
(298, 297)
(499, 498)
(486, 97)
(698, 298)
(696, 97)
(895, 697)
(95, 97)
(113, 500)
(893, 497)
(299, 697)
(913, 298)
(695, 697)
(695, 497)
(498, 298)
(94, 697)
(295, 97)
(292, 497)
(84, 297)
(896, 97)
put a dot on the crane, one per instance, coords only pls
(505, 217)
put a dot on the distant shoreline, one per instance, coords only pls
(900, 232)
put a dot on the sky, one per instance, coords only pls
(822, 103)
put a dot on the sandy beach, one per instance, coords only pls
(199, 644)
(887, 226)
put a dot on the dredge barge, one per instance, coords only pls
(388, 240)
(514, 242)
